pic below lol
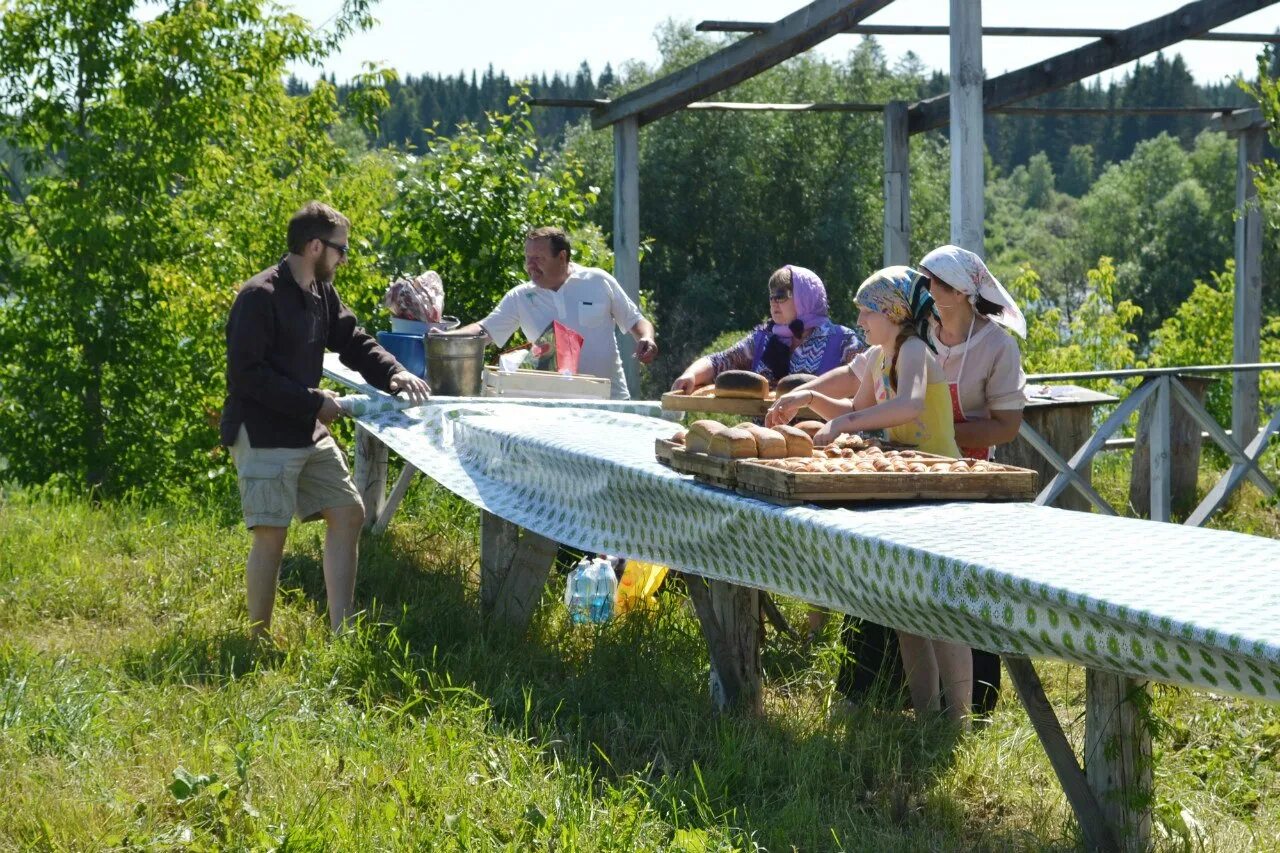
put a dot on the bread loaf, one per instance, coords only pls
(799, 443)
(698, 437)
(733, 443)
(793, 381)
(678, 438)
(810, 428)
(769, 444)
(742, 383)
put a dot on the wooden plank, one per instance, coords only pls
(498, 541)
(730, 619)
(716, 405)
(897, 185)
(1247, 325)
(1222, 490)
(1195, 408)
(739, 61)
(758, 478)
(1067, 474)
(997, 32)
(663, 448)
(1093, 824)
(1184, 448)
(1235, 120)
(370, 474)
(1117, 754)
(398, 492)
(965, 106)
(1096, 442)
(1159, 435)
(712, 469)
(626, 227)
(1075, 65)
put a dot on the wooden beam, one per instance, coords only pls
(398, 491)
(1158, 436)
(1083, 62)
(897, 185)
(514, 565)
(862, 107)
(739, 61)
(965, 105)
(626, 229)
(1234, 121)
(1247, 326)
(730, 618)
(1012, 32)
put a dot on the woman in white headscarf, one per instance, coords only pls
(983, 367)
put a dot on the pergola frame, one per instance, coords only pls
(1108, 794)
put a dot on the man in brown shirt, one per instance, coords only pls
(275, 415)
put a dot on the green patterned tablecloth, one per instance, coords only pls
(1162, 601)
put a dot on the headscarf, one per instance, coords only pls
(809, 295)
(899, 294)
(965, 272)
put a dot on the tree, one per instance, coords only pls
(154, 152)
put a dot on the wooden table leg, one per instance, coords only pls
(1117, 754)
(730, 617)
(1093, 821)
(514, 565)
(370, 474)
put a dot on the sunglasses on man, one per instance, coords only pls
(340, 248)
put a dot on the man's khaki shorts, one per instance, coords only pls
(277, 483)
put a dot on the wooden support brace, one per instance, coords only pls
(370, 474)
(398, 492)
(1222, 490)
(769, 608)
(1067, 474)
(1093, 824)
(1117, 754)
(514, 566)
(730, 617)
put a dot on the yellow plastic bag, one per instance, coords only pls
(639, 583)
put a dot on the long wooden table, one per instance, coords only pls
(1129, 600)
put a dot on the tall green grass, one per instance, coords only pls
(134, 714)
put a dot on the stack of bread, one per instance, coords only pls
(875, 460)
(746, 441)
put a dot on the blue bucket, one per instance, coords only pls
(408, 350)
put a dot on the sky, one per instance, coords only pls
(431, 37)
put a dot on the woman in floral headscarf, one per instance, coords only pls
(798, 337)
(983, 368)
(901, 390)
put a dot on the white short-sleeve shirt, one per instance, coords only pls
(591, 302)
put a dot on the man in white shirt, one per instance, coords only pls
(586, 299)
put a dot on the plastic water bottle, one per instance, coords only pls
(578, 590)
(604, 590)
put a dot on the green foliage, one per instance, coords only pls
(1201, 332)
(154, 152)
(1096, 337)
(463, 207)
(729, 197)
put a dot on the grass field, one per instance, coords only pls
(134, 714)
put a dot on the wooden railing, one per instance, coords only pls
(1164, 387)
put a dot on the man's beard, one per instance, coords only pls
(324, 272)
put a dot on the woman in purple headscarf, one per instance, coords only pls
(798, 337)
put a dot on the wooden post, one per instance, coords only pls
(370, 474)
(1158, 439)
(1117, 754)
(626, 228)
(1184, 453)
(966, 125)
(514, 565)
(730, 617)
(897, 185)
(1248, 287)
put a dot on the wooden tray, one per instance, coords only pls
(1008, 483)
(710, 469)
(728, 406)
(662, 448)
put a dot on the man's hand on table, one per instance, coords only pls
(414, 387)
(330, 411)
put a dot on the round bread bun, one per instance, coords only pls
(742, 383)
(792, 381)
(810, 427)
